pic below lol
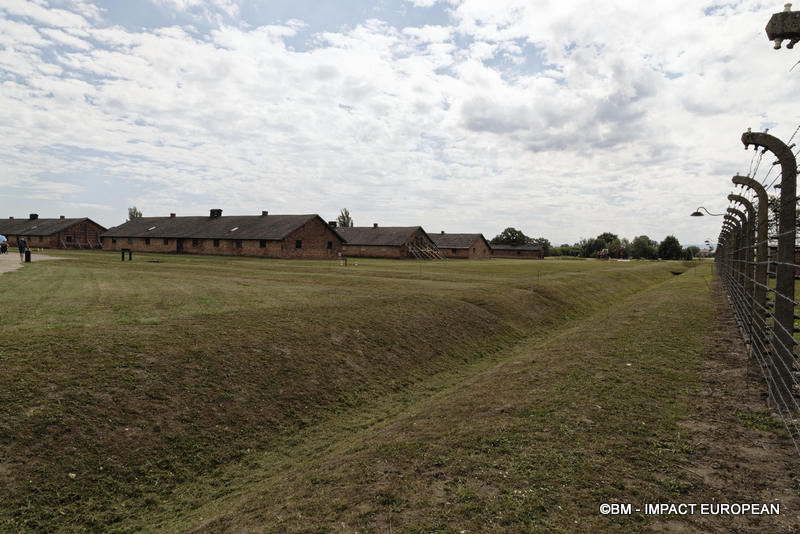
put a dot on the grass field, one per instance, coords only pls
(226, 394)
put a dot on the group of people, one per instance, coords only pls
(22, 244)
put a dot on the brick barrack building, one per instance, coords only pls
(269, 236)
(53, 233)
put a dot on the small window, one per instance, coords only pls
(216, 242)
(519, 252)
(166, 241)
(298, 244)
(453, 250)
(330, 245)
(234, 228)
(130, 241)
(41, 238)
(113, 239)
(237, 243)
(146, 240)
(69, 239)
(195, 242)
(473, 249)
(151, 228)
(262, 243)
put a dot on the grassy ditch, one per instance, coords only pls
(144, 395)
(534, 444)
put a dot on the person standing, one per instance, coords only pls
(22, 244)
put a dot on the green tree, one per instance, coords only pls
(590, 247)
(774, 205)
(133, 213)
(544, 243)
(344, 220)
(511, 236)
(693, 251)
(670, 248)
(641, 247)
(616, 249)
(608, 238)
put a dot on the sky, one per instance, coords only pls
(561, 119)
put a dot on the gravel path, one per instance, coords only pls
(10, 261)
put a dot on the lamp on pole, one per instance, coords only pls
(697, 213)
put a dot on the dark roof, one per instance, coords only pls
(456, 240)
(514, 247)
(38, 227)
(392, 236)
(269, 227)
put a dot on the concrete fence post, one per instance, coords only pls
(783, 330)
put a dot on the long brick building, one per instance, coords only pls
(471, 246)
(271, 236)
(53, 233)
(388, 242)
(530, 252)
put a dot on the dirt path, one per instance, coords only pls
(741, 450)
(10, 261)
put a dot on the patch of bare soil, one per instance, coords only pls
(741, 451)
(11, 262)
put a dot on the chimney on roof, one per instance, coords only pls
(61, 217)
(216, 213)
(374, 225)
(442, 232)
(11, 218)
(34, 216)
(264, 213)
(332, 224)
(171, 215)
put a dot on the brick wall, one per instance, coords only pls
(476, 251)
(518, 254)
(314, 237)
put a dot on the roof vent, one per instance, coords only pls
(61, 217)
(151, 228)
(332, 224)
(374, 225)
(442, 232)
(264, 213)
(171, 215)
(34, 216)
(234, 228)
(216, 213)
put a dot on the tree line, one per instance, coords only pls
(605, 245)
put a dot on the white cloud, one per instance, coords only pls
(229, 7)
(618, 121)
(41, 14)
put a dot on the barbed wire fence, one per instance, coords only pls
(759, 268)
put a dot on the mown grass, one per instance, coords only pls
(533, 444)
(146, 396)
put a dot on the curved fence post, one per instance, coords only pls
(748, 305)
(783, 328)
(760, 283)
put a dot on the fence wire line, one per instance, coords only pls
(768, 317)
(763, 334)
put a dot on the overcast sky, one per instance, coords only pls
(563, 119)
